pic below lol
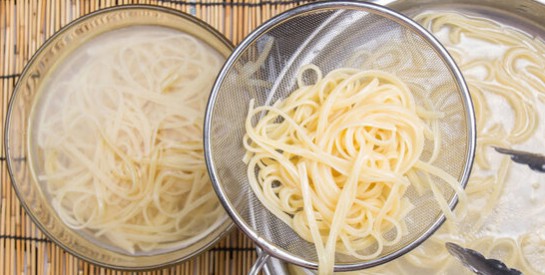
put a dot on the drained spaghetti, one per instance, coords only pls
(334, 158)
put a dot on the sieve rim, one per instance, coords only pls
(271, 248)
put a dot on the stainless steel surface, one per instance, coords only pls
(525, 15)
(477, 263)
(326, 34)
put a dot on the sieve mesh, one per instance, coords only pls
(333, 35)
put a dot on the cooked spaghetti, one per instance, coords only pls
(120, 139)
(504, 69)
(332, 160)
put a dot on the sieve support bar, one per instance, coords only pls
(259, 263)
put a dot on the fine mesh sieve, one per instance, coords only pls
(332, 35)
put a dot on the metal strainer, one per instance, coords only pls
(332, 35)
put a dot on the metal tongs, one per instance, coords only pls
(536, 162)
(477, 263)
(474, 260)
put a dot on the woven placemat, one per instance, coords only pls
(24, 26)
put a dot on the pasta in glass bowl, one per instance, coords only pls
(104, 137)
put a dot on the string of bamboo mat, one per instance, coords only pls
(24, 26)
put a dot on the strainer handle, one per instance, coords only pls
(259, 263)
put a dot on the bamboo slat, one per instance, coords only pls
(24, 26)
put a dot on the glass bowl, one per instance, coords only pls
(18, 127)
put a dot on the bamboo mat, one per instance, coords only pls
(24, 26)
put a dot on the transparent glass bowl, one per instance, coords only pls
(17, 138)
